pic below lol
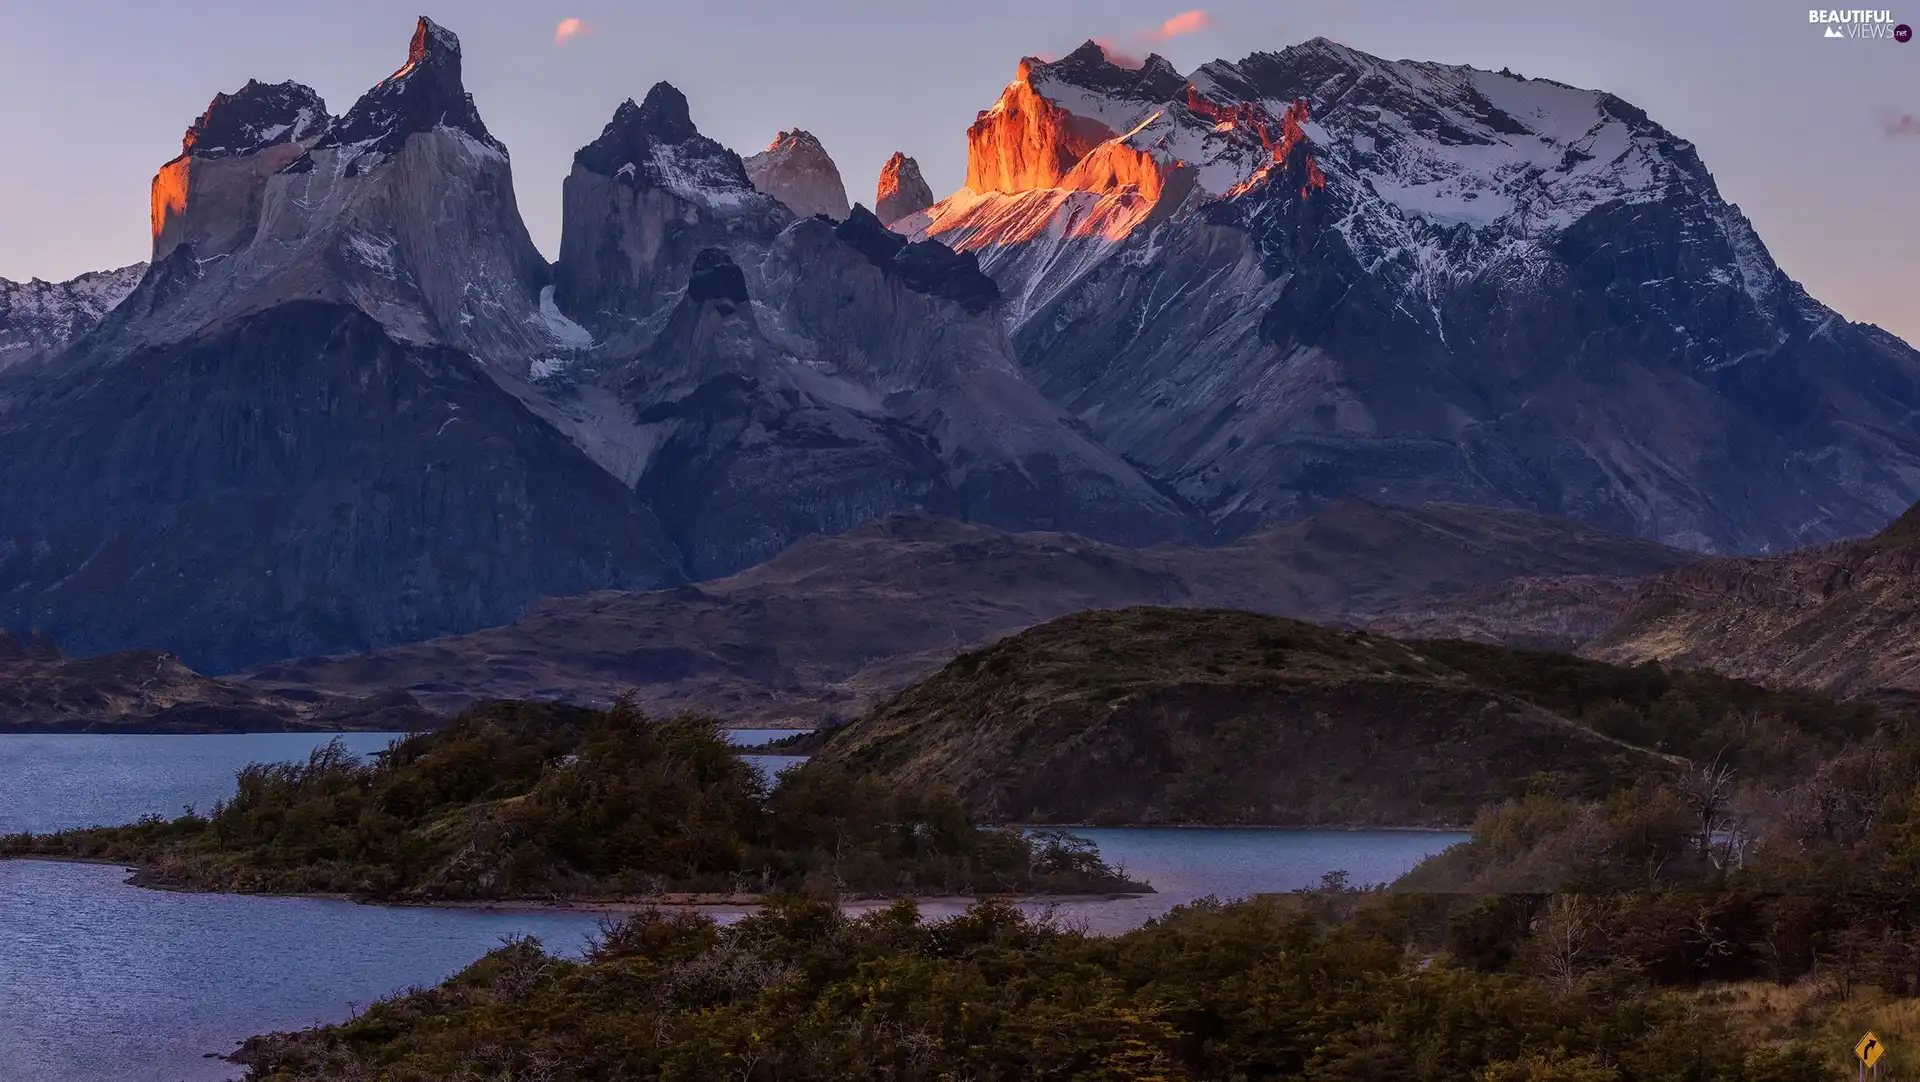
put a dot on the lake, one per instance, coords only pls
(105, 982)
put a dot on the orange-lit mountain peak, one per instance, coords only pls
(1026, 141)
(1282, 137)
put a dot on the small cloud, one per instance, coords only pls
(571, 28)
(1117, 56)
(1187, 22)
(1899, 124)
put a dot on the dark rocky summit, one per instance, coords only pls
(257, 116)
(716, 277)
(923, 266)
(424, 94)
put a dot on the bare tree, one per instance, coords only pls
(1566, 939)
(1708, 792)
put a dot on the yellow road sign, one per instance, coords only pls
(1869, 1050)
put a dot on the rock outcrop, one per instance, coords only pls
(902, 191)
(307, 429)
(798, 171)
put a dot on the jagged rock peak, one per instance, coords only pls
(655, 145)
(256, 116)
(923, 266)
(1089, 67)
(426, 93)
(798, 171)
(716, 277)
(11, 648)
(902, 190)
(664, 113)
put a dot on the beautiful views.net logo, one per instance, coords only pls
(1865, 25)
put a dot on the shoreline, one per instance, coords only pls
(695, 901)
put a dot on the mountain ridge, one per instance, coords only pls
(833, 625)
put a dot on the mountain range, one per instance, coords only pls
(348, 405)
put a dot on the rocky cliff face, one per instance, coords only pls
(272, 202)
(901, 191)
(307, 429)
(642, 200)
(1837, 617)
(760, 376)
(210, 196)
(38, 319)
(298, 483)
(798, 171)
(1418, 281)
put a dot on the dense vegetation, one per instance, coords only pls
(1252, 990)
(1701, 924)
(538, 800)
(1175, 715)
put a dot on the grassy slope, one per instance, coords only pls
(1836, 617)
(1167, 715)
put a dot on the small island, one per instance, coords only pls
(516, 801)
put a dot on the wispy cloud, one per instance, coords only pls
(571, 28)
(1899, 124)
(1187, 22)
(1116, 54)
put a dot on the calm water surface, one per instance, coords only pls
(103, 982)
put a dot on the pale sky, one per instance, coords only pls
(1817, 140)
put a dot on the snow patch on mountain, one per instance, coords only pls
(39, 318)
